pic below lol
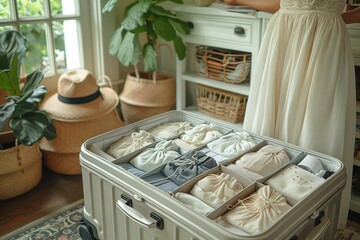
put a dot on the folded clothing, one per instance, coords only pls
(151, 158)
(129, 144)
(216, 189)
(188, 166)
(194, 203)
(264, 161)
(170, 130)
(294, 183)
(232, 144)
(201, 134)
(160, 181)
(258, 212)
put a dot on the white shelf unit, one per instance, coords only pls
(214, 28)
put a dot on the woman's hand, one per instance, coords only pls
(352, 16)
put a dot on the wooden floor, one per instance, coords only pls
(54, 192)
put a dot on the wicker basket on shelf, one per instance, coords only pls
(222, 64)
(221, 104)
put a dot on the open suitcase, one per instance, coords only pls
(121, 205)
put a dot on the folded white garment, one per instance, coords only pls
(258, 212)
(294, 183)
(312, 164)
(216, 189)
(129, 144)
(264, 161)
(170, 130)
(194, 203)
(151, 158)
(232, 144)
(201, 134)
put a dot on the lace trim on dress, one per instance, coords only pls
(332, 6)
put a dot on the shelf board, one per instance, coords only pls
(242, 88)
(355, 203)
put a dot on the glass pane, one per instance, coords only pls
(4, 9)
(27, 8)
(37, 56)
(63, 7)
(4, 28)
(67, 47)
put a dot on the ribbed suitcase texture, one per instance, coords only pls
(106, 186)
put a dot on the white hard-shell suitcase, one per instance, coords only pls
(121, 206)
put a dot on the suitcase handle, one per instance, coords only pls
(135, 215)
(319, 230)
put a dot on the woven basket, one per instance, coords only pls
(144, 97)
(221, 104)
(21, 170)
(222, 64)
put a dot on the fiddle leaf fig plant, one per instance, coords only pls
(149, 18)
(21, 111)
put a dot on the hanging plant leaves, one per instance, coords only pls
(10, 80)
(126, 50)
(136, 51)
(116, 40)
(109, 6)
(164, 28)
(11, 43)
(6, 111)
(33, 80)
(135, 15)
(160, 11)
(180, 48)
(180, 26)
(150, 58)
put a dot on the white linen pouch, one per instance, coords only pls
(129, 144)
(232, 144)
(194, 203)
(216, 189)
(264, 161)
(201, 134)
(294, 183)
(170, 130)
(150, 158)
(258, 212)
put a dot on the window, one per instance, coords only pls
(62, 35)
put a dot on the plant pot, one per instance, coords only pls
(144, 97)
(21, 170)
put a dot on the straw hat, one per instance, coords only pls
(78, 90)
(80, 110)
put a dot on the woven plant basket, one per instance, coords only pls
(145, 97)
(21, 170)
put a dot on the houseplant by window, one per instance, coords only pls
(136, 41)
(21, 165)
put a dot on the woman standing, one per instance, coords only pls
(303, 89)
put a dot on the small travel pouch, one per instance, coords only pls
(170, 130)
(194, 203)
(201, 134)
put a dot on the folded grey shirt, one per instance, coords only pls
(188, 166)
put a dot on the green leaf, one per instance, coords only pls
(6, 111)
(150, 58)
(176, 1)
(21, 108)
(180, 48)
(160, 11)
(10, 80)
(126, 50)
(30, 127)
(164, 28)
(108, 7)
(116, 40)
(33, 80)
(136, 52)
(180, 26)
(135, 15)
(11, 43)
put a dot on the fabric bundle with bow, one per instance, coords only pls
(129, 144)
(171, 130)
(201, 134)
(258, 212)
(151, 158)
(232, 144)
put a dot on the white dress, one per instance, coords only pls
(303, 87)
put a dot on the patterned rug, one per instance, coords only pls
(62, 225)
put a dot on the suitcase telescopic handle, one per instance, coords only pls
(135, 215)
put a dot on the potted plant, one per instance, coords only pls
(21, 165)
(150, 91)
